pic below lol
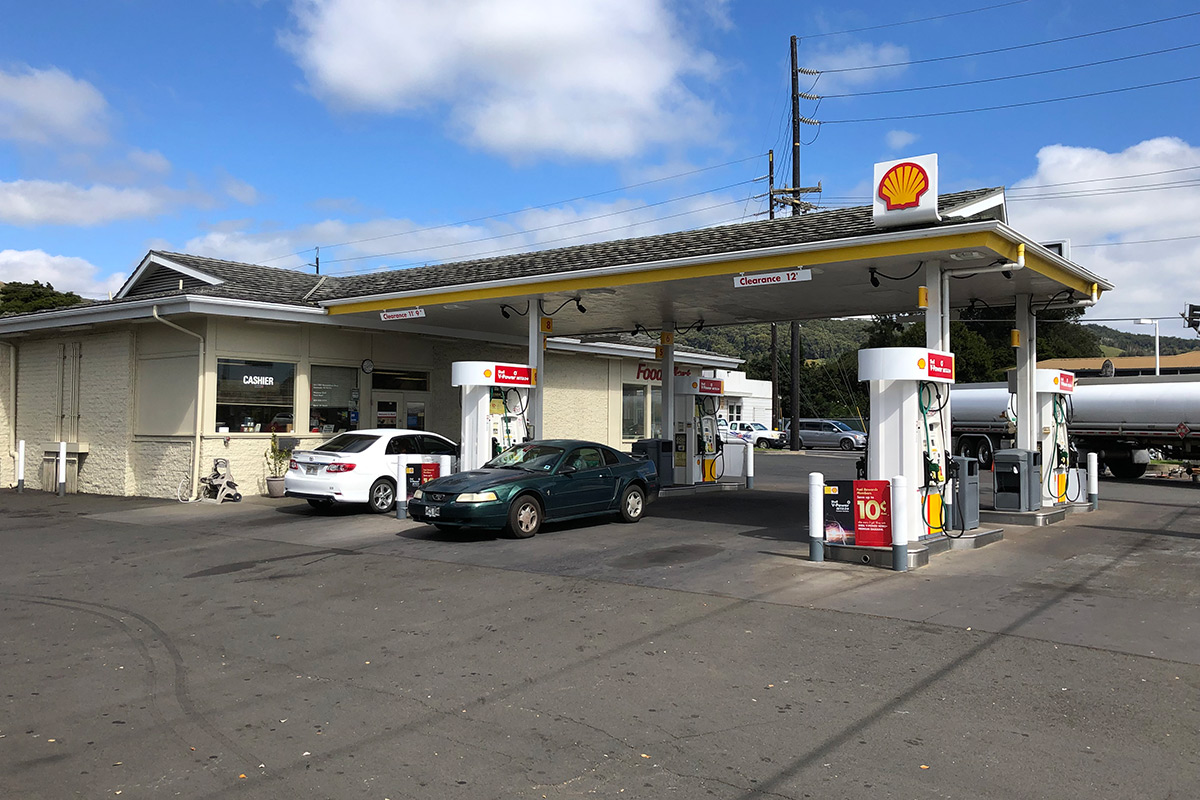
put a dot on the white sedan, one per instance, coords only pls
(360, 466)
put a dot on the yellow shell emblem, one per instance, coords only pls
(903, 185)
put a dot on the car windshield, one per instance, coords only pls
(841, 426)
(348, 443)
(532, 457)
(758, 426)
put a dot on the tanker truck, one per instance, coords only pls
(1122, 420)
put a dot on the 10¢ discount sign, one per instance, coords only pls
(873, 513)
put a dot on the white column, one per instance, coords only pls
(537, 358)
(936, 315)
(1026, 403)
(668, 388)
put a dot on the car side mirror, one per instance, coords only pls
(567, 470)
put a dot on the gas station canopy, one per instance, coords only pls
(821, 265)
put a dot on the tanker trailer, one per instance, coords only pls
(1119, 419)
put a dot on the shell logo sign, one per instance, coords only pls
(903, 185)
(906, 191)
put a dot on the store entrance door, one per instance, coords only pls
(400, 410)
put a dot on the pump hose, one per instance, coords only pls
(924, 389)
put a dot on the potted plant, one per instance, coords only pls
(278, 459)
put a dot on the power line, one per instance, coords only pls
(536, 230)
(1005, 106)
(1098, 180)
(544, 205)
(915, 21)
(1100, 192)
(1011, 48)
(1011, 77)
(1137, 241)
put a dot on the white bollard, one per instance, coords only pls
(749, 465)
(402, 464)
(21, 466)
(62, 469)
(899, 516)
(816, 516)
(1093, 478)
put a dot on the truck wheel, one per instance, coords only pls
(1127, 470)
(984, 454)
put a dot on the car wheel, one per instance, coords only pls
(847, 444)
(633, 504)
(800, 443)
(524, 517)
(320, 505)
(382, 498)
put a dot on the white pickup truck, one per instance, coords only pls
(762, 435)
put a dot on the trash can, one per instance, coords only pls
(965, 513)
(1016, 485)
(662, 453)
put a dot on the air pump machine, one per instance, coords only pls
(1053, 388)
(494, 400)
(697, 437)
(910, 428)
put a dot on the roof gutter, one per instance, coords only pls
(199, 402)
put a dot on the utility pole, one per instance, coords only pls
(795, 129)
(794, 436)
(771, 184)
(776, 411)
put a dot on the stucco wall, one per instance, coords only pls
(105, 407)
(8, 472)
(577, 398)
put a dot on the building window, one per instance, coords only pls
(405, 380)
(334, 395)
(633, 412)
(735, 412)
(255, 396)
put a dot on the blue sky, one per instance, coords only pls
(399, 133)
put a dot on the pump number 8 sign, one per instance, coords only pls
(872, 513)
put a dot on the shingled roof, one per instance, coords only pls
(236, 280)
(739, 237)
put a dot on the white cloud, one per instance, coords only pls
(597, 79)
(48, 106)
(852, 57)
(64, 273)
(239, 190)
(38, 202)
(1153, 279)
(396, 242)
(898, 140)
(149, 161)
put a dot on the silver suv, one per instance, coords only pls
(830, 433)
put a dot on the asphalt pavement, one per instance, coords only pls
(263, 650)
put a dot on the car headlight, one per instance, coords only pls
(476, 497)
(418, 494)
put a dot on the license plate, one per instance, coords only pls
(432, 511)
(310, 469)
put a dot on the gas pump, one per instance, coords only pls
(909, 431)
(1053, 388)
(494, 399)
(697, 438)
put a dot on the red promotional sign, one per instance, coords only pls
(940, 366)
(711, 386)
(514, 376)
(873, 513)
(1066, 381)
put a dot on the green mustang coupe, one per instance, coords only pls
(532, 482)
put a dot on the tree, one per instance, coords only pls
(17, 297)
